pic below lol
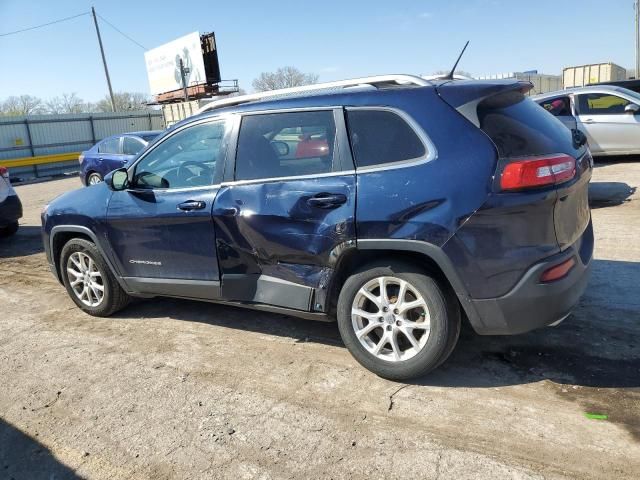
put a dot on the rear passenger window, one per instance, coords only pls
(131, 146)
(285, 145)
(379, 137)
(110, 145)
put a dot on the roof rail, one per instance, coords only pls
(376, 81)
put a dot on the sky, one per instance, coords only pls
(336, 39)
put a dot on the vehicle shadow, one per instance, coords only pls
(609, 194)
(597, 346)
(26, 241)
(239, 318)
(21, 456)
(599, 162)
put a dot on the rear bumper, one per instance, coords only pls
(10, 210)
(531, 304)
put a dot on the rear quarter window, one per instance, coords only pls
(381, 137)
(519, 127)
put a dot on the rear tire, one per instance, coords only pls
(94, 178)
(9, 230)
(88, 279)
(415, 306)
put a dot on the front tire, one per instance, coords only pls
(396, 320)
(9, 230)
(88, 279)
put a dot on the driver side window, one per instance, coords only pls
(189, 158)
(601, 104)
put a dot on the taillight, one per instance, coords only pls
(4, 172)
(538, 172)
(559, 271)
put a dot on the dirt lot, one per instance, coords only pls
(177, 389)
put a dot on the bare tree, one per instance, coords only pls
(22, 105)
(124, 101)
(68, 103)
(284, 77)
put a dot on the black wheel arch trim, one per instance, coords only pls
(437, 255)
(88, 232)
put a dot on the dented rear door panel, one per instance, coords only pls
(270, 229)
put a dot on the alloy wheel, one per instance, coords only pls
(390, 319)
(94, 179)
(85, 279)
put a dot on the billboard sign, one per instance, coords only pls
(163, 64)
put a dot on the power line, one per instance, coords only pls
(121, 32)
(43, 25)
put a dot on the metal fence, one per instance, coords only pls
(32, 145)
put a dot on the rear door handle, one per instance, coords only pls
(588, 120)
(327, 200)
(191, 205)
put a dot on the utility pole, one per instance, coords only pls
(183, 75)
(637, 32)
(104, 60)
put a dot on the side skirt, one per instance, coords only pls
(244, 291)
(171, 287)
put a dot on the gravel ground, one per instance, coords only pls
(175, 389)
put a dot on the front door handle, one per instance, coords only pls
(327, 200)
(230, 212)
(191, 205)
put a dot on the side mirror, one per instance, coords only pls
(281, 148)
(117, 180)
(632, 108)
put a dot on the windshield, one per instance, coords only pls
(629, 93)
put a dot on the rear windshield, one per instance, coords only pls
(519, 127)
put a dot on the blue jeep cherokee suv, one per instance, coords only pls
(391, 204)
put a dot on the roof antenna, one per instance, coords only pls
(450, 76)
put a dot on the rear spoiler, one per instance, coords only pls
(465, 96)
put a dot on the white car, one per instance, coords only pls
(608, 115)
(10, 206)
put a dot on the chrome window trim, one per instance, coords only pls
(172, 190)
(430, 149)
(285, 179)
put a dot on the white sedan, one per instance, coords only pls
(608, 115)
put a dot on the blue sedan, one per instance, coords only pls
(112, 153)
